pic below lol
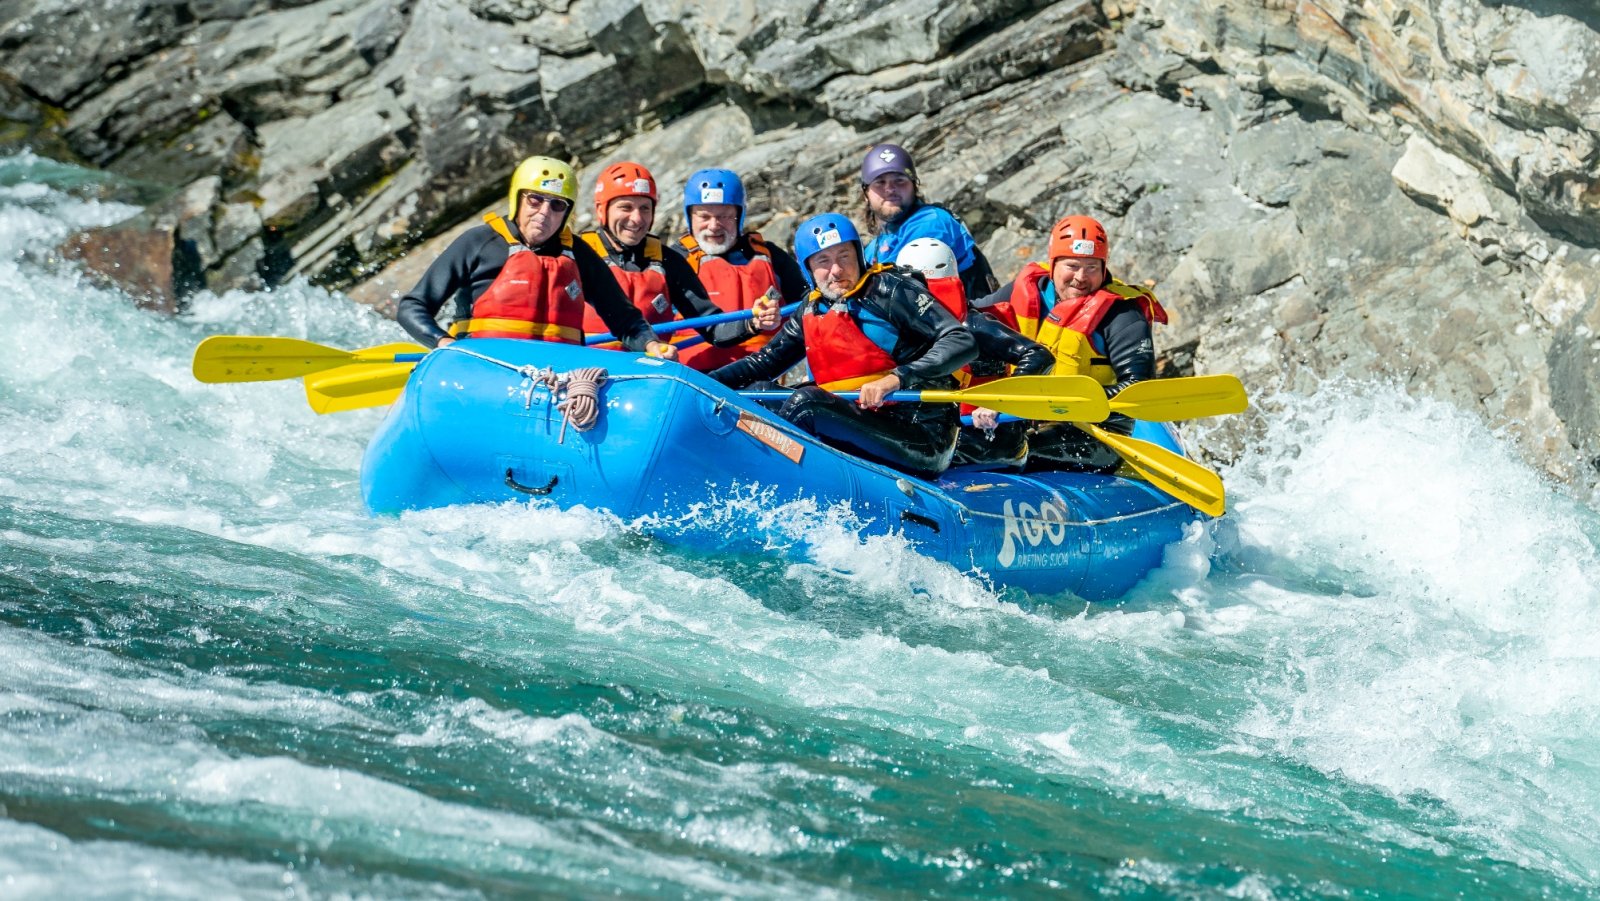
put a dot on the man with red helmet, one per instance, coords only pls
(660, 284)
(1095, 325)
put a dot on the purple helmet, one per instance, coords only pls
(884, 158)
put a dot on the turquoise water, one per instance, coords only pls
(1375, 679)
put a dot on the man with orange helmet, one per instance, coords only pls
(525, 277)
(1095, 325)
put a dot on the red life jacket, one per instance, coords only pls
(1024, 310)
(732, 287)
(1070, 325)
(951, 294)
(647, 289)
(534, 296)
(840, 354)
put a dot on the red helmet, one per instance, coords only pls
(1079, 236)
(621, 180)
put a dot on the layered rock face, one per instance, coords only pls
(1403, 187)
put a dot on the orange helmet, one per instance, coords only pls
(621, 180)
(1079, 236)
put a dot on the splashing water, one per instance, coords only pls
(224, 678)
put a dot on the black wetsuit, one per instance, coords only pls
(684, 290)
(469, 265)
(930, 345)
(998, 347)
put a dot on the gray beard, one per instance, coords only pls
(833, 293)
(714, 248)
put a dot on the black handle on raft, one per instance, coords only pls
(514, 485)
(919, 519)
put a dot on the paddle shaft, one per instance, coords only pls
(678, 325)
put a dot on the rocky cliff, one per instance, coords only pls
(1409, 188)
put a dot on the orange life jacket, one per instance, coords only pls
(1067, 328)
(840, 354)
(732, 287)
(534, 296)
(647, 289)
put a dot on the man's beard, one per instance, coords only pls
(715, 248)
(890, 213)
(832, 293)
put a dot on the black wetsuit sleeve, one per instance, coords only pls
(791, 281)
(988, 300)
(465, 269)
(1128, 343)
(689, 298)
(932, 343)
(600, 290)
(999, 343)
(786, 348)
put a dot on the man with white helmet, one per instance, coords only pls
(875, 330)
(988, 443)
(1093, 323)
(524, 278)
(896, 209)
(739, 269)
(659, 284)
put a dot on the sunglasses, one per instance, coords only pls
(556, 204)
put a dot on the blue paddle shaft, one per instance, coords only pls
(901, 396)
(677, 325)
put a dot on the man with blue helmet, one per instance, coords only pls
(740, 270)
(872, 329)
(896, 210)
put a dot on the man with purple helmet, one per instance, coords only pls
(895, 209)
(873, 329)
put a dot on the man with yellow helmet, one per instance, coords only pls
(525, 278)
(1095, 325)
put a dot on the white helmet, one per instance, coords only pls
(929, 256)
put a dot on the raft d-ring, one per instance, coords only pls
(514, 485)
(905, 487)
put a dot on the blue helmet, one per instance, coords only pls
(714, 186)
(820, 233)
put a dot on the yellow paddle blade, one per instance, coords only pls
(1175, 474)
(1193, 397)
(357, 387)
(1062, 398)
(251, 358)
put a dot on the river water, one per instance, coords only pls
(220, 677)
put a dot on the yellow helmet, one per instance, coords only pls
(545, 175)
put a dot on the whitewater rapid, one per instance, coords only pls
(1373, 678)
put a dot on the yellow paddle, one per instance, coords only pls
(1190, 397)
(356, 387)
(247, 358)
(1177, 475)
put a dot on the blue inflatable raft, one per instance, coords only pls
(477, 423)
